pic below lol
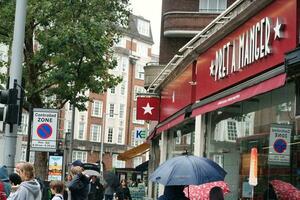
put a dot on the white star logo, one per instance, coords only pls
(148, 109)
(277, 30)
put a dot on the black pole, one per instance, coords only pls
(29, 133)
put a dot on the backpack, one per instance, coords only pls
(2, 191)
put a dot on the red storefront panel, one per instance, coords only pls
(260, 50)
(177, 94)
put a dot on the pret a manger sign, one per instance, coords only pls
(247, 48)
(254, 47)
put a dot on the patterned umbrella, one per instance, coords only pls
(285, 190)
(201, 192)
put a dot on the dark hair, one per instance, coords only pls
(15, 179)
(216, 193)
(57, 186)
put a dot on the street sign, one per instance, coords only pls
(44, 129)
(140, 134)
(279, 145)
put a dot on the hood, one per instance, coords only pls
(33, 186)
(3, 173)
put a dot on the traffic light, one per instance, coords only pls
(10, 113)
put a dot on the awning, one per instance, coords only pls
(170, 124)
(134, 152)
(247, 93)
(142, 167)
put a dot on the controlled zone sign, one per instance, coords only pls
(44, 129)
(279, 145)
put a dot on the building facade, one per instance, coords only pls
(113, 113)
(235, 89)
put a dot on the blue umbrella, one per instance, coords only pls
(188, 170)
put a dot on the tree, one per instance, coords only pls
(67, 50)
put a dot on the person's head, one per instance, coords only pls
(15, 179)
(18, 166)
(76, 170)
(216, 193)
(57, 187)
(77, 163)
(93, 179)
(123, 183)
(26, 171)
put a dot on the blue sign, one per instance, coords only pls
(280, 145)
(140, 134)
(44, 131)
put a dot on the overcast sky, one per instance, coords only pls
(151, 10)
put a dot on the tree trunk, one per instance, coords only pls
(41, 165)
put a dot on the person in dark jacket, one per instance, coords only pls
(123, 192)
(216, 193)
(79, 185)
(173, 192)
(96, 189)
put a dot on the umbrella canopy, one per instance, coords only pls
(111, 179)
(90, 172)
(188, 170)
(201, 192)
(285, 190)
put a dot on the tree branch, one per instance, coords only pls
(63, 103)
(46, 70)
(43, 88)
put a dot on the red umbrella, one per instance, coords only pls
(285, 190)
(201, 192)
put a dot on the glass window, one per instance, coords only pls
(111, 110)
(113, 90)
(142, 50)
(139, 71)
(234, 130)
(81, 130)
(124, 64)
(110, 135)
(79, 155)
(97, 108)
(121, 111)
(95, 133)
(138, 89)
(212, 6)
(117, 163)
(123, 87)
(137, 161)
(143, 27)
(120, 136)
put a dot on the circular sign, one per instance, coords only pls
(44, 131)
(280, 145)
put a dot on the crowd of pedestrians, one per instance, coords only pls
(23, 185)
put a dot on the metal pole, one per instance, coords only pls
(102, 144)
(15, 73)
(72, 135)
(29, 133)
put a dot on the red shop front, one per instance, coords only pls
(239, 91)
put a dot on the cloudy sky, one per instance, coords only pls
(151, 10)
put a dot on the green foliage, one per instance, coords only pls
(68, 47)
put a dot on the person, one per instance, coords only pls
(108, 192)
(79, 185)
(270, 194)
(5, 180)
(96, 189)
(123, 192)
(173, 192)
(57, 188)
(216, 193)
(15, 179)
(29, 189)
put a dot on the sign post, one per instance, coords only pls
(44, 129)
